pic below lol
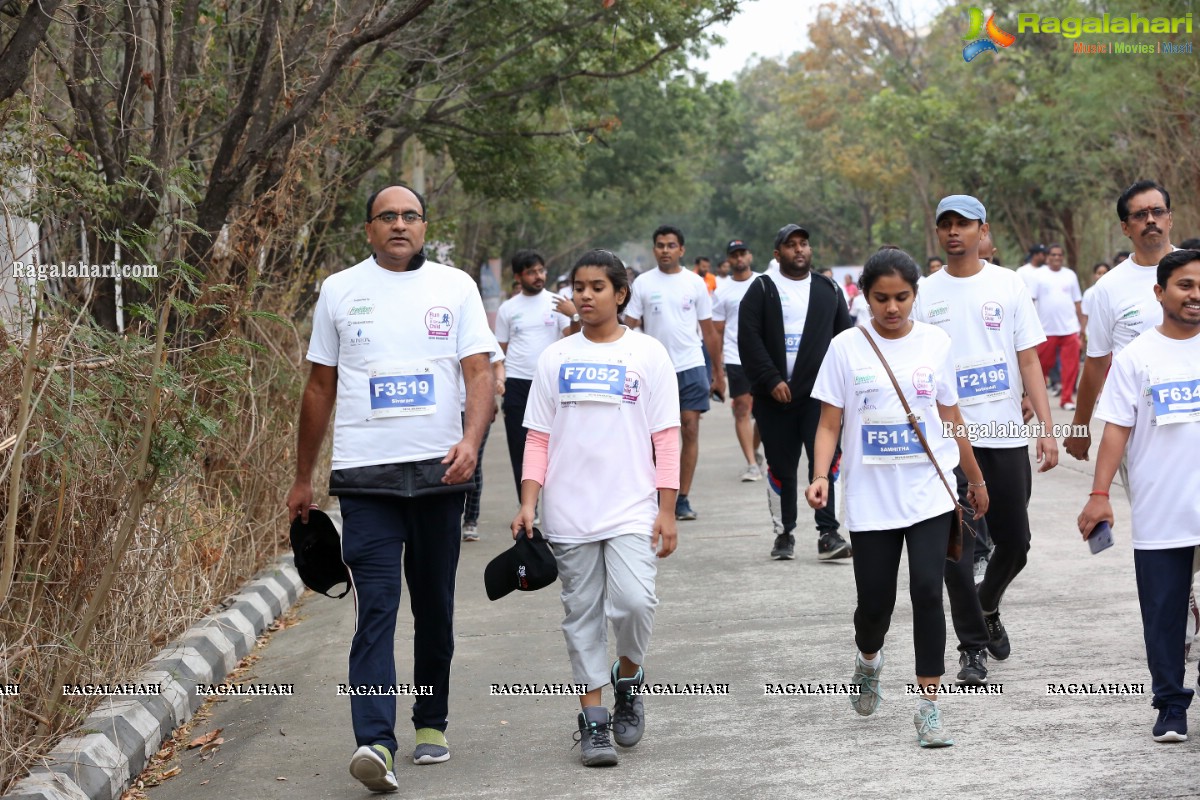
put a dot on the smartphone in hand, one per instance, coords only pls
(1100, 538)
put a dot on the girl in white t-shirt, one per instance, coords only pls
(603, 451)
(894, 497)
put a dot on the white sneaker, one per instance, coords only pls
(751, 473)
(470, 533)
(1068, 406)
(372, 766)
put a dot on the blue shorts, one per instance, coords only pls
(693, 389)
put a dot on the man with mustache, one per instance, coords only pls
(1123, 306)
(389, 338)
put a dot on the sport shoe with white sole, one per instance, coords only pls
(998, 644)
(470, 532)
(372, 767)
(930, 732)
(1171, 725)
(431, 748)
(751, 473)
(866, 678)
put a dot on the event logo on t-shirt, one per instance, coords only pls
(923, 381)
(633, 387)
(687, 304)
(993, 315)
(439, 321)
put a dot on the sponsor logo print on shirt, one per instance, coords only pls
(993, 315)
(439, 321)
(358, 311)
(923, 381)
(358, 340)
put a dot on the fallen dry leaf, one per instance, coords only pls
(171, 773)
(213, 745)
(203, 782)
(281, 779)
(200, 741)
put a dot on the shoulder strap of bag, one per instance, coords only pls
(912, 418)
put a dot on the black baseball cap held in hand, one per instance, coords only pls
(318, 550)
(527, 566)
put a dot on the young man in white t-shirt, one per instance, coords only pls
(1058, 301)
(672, 304)
(994, 332)
(389, 337)
(525, 326)
(1152, 413)
(1032, 269)
(726, 302)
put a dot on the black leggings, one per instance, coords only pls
(786, 433)
(876, 565)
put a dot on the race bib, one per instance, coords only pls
(405, 390)
(791, 342)
(582, 381)
(982, 380)
(891, 440)
(1176, 398)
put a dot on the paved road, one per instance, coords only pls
(730, 615)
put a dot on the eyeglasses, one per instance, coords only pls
(388, 217)
(1158, 212)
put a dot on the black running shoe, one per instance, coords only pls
(973, 670)
(997, 637)
(831, 545)
(785, 547)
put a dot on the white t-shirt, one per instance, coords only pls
(670, 307)
(889, 481)
(860, 308)
(1056, 296)
(396, 339)
(498, 355)
(1086, 303)
(724, 279)
(793, 297)
(1122, 306)
(1154, 388)
(528, 324)
(600, 403)
(726, 302)
(1030, 274)
(988, 317)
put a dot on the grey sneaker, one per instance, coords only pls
(928, 720)
(372, 767)
(595, 747)
(470, 532)
(629, 715)
(431, 748)
(867, 680)
(973, 664)
(831, 545)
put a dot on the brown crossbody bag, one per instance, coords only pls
(955, 543)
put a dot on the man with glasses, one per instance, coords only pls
(525, 326)
(390, 336)
(1122, 307)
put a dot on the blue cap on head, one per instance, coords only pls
(964, 205)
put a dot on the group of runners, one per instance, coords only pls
(919, 412)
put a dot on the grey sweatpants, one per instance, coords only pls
(612, 579)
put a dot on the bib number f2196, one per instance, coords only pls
(982, 380)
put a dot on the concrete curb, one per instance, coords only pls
(114, 743)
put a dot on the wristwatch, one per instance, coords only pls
(576, 318)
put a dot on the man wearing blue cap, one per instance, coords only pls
(994, 333)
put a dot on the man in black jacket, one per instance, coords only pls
(785, 324)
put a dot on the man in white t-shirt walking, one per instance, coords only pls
(1058, 301)
(525, 326)
(1123, 305)
(672, 304)
(726, 302)
(994, 332)
(390, 335)
(1151, 415)
(1032, 269)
